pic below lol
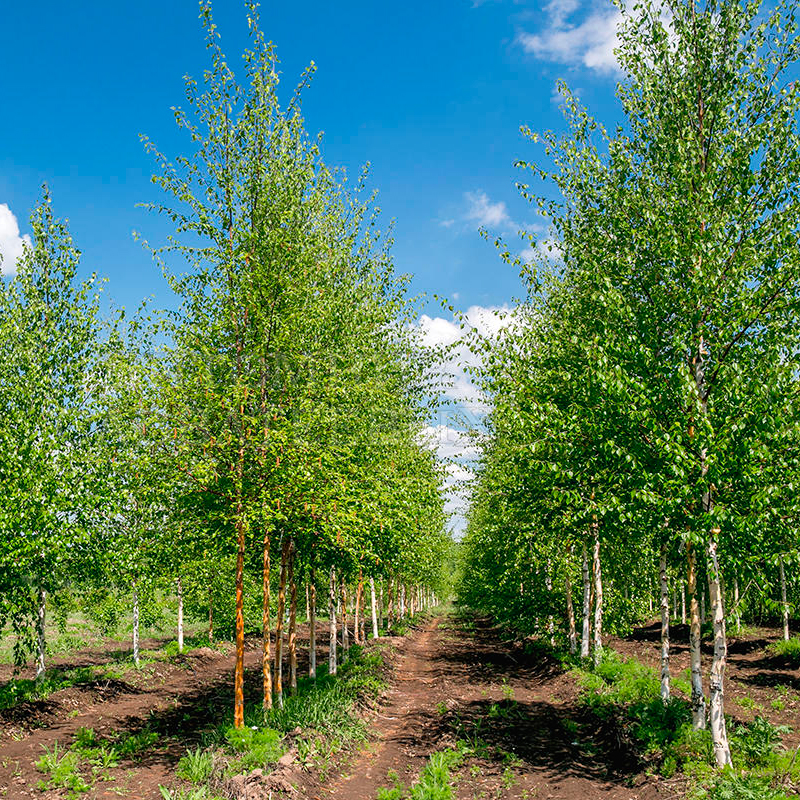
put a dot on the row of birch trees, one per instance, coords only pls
(274, 415)
(641, 454)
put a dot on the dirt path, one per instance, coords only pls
(517, 710)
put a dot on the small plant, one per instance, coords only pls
(788, 649)
(135, 744)
(746, 702)
(730, 786)
(777, 704)
(256, 748)
(757, 743)
(196, 766)
(62, 768)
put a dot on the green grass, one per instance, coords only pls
(22, 690)
(788, 649)
(435, 780)
(196, 766)
(628, 691)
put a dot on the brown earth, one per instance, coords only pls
(453, 680)
(517, 709)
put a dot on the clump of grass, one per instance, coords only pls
(21, 690)
(788, 649)
(134, 744)
(730, 786)
(62, 768)
(435, 780)
(196, 766)
(255, 748)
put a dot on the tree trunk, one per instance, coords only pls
(266, 632)
(548, 583)
(737, 613)
(573, 635)
(135, 625)
(40, 635)
(332, 617)
(719, 735)
(702, 606)
(784, 603)
(279, 623)
(292, 623)
(598, 597)
(664, 624)
(238, 672)
(180, 615)
(390, 609)
(698, 698)
(312, 626)
(683, 603)
(345, 630)
(210, 614)
(402, 593)
(374, 609)
(381, 617)
(359, 610)
(587, 605)
(308, 604)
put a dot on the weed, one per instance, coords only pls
(255, 748)
(746, 702)
(62, 768)
(196, 766)
(134, 744)
(788, 649)
(756, 744)
(434, 781)
(729, 786)
(777, 704)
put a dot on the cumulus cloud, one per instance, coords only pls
(589, 42)
(449, 443)
(11, 243)
(453, 337)
(486, 213)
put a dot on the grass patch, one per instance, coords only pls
(23, 690)
(788, 649)
(435, 781)
(628, 692)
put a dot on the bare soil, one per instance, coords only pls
(453, 680)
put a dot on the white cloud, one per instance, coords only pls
(590, 42)
(11, 243)
(485, 213)
(449, 443)
(453, 337)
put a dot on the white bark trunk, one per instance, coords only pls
(737, 613)
(41, 642)
(598, 599)
(135, 625)
(587, 605)
(719, 735)
(698, 697)
(683, 604)
(312, 627)
(332, 614)
(573, 635)
(664, 625)
(180, 615)
(784, 603)
(374, 608)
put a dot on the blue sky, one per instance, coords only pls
(432, 94)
